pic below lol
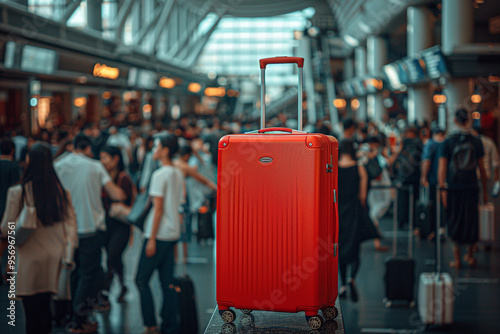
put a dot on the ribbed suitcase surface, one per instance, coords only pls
(277, 222)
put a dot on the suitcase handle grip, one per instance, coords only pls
(275, 129)
(282, 60)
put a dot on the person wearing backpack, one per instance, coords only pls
(407, 172)
(461, 154)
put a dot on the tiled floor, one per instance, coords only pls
(477, 291)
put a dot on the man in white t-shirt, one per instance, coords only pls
(85, 178)
(161, 232)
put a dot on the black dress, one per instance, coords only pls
(355, 225)
(462, 212)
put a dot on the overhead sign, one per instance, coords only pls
(105, 71)
(434, 63)
(494, 24)
(39, 60)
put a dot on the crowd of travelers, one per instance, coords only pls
(72, 183)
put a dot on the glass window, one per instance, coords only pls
(237, 44)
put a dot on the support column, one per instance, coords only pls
(94, 15)
(360, 71)
(348, 68)
(376, 48)
(457, 29)
(420, 31)
(305, 47)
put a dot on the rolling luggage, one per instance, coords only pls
(277, 219)
(205, 221)
(435, 290)
(487, 222)
(187, 305)
(399, 277)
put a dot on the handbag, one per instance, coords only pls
(27, 220)
(67, 266)
(140, 210)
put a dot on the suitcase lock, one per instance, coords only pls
(329, 167)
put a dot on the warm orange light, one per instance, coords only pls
(476, 115)
(80, 102)
(167, 83)
(43, 110)
(215, 91)
(354, 104)
(147, 108)
(105, 71)
(493, 78)
(106, 95)
(439, 99)
(127, 96)
(194, 87)
(377, 83)
(476, 98)
(232, 93)
(339, 103)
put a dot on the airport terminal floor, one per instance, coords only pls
(476, 293)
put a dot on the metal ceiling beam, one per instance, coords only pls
(70, 10)
(176, 49)
(121, 17)
(160, 25)
(153, 23)
(201, 42)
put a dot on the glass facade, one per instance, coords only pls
(237, 44)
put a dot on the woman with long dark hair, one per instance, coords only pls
(41, 257)
(118, 232)
(355, 225)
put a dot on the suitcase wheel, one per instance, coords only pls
(228, 316)
(315, 322)
(246, 311)
(330, 313)
(247, 320)
(228, 329)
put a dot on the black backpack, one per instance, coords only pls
(463, 161)
(373, 169)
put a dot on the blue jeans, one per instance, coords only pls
(163, 261)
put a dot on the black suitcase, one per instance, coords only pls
(399, 277)
(187, 305)
(205, 221)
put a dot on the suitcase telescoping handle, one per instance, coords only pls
(280, 60)
(437, 238)
(395, 222)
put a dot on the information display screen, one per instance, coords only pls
(415, 68)
(39, 60)
(434, 63)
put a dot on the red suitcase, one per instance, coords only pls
(277, 219)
